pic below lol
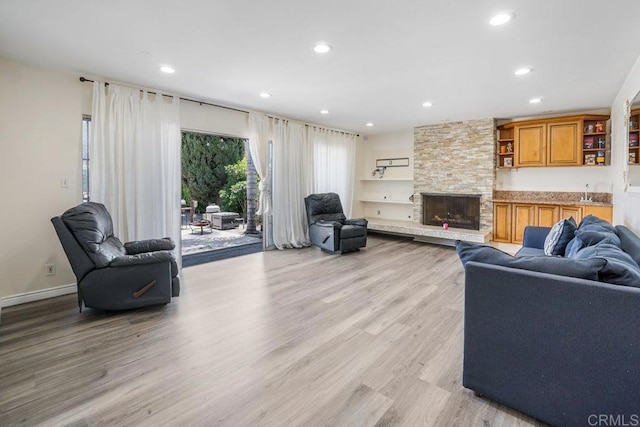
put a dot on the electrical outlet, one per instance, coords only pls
(50, 269)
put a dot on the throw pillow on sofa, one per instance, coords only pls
(594, 220)
(620, 269)
(583, 269)
(592, 237)
(587, 236)
(592, 230)
(573, 247)
(561, 234)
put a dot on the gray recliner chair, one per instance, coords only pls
(112, 275)
(329, 228)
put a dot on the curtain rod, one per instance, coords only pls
(84, 79)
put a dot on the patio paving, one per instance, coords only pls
(193, 242)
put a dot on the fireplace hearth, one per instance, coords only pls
(457, 210)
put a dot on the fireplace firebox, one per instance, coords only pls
(457, 210)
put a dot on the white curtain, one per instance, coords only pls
(306, 160)
(292, 182)
(260, 129)
(135, 161)
(334, 155)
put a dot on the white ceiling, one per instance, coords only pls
(388, 56)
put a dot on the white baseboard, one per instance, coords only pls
(38, 295)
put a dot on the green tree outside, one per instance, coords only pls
(204, 167)
(233, 196)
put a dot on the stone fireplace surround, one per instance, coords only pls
(457, 158)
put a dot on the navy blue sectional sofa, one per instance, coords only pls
(549, 336)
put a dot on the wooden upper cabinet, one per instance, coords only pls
(530, 145)
(563, 144)
(578, 140)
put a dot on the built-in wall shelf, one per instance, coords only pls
(388, 197)
(634, 137)
(396, 202)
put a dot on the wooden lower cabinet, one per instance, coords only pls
(571, 211)
(510, 219)
(502, 222)
(602, 212)
(547, 215)
(523, 215)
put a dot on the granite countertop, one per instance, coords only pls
(551, 198)
(552, 202)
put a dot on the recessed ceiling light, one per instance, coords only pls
(427, 104)
(501, 18)
(265, 95)
(522, 71)
(167, 69)
(535, 100)
(321, 47)
(324, 111)
(369, 124)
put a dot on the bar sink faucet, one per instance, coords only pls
(586, 199)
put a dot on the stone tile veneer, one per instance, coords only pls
(455, 157)
(550, 196)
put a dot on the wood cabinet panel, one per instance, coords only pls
(602, 212)
(557, 141)
(547, 215)
(563, 144)
(571, 211)
(531, 145)
(510, 219)
(523, 215)
(502, 222)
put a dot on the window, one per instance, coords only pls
(86, 135)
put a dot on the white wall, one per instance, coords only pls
(40, 143)
(208, 119)
(383, 146)
(626, 208)
(555, 179)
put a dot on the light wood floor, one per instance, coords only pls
(283, 338)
